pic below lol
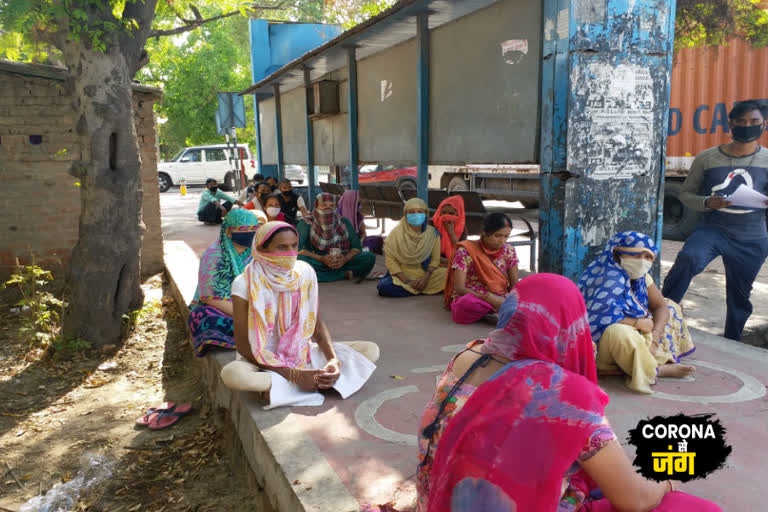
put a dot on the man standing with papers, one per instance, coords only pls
(728, 229)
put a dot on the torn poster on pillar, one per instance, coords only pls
(611, 130)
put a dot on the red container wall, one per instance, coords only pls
(705, 84)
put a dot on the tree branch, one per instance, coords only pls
(199, 21)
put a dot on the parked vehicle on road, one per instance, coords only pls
(198, 163)
(385, 174)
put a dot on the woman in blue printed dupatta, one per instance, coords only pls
(637, 331)
(210, 316)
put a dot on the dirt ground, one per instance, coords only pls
(56, 411)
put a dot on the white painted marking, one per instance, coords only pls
(752, 389)
(386, 90)
(430, 369)
(365, 416)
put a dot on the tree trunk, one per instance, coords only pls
(106, 262)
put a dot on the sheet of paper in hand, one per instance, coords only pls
(748, 197)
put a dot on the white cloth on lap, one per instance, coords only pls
(355, 371)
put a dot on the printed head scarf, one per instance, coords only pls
(349, 208)
(282, 303)
(328, 230)
(608, 291)
(510, 446)
(408, 245)
(220, 264)
(544, 318)
(459, 221)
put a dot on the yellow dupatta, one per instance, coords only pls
(408, 246)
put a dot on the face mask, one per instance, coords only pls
(636, 267)
(278, 262)
(450, 218)
(287, 193)
(273, 211)
(746, 133)
(323, 211)
(416, 219)
(244, 238)
(213, 189)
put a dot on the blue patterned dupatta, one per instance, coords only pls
(608, 291)
(219, 266)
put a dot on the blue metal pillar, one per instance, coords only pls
(422, 175)
(354, 148)
(257, 125)
(605, 97)
(278, 133)
(310, 139)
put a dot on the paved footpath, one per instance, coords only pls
(369, 440)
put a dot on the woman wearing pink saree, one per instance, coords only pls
(533, 436)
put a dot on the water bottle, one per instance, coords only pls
(183, 186)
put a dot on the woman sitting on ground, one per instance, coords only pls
(412, 253)
(483, 272)
(637, 331)
(349, 208)
(450, 221)
(210, 316)
(520, 420)
(272, 209)
(329, 244)
(283, 345)
(263, 191)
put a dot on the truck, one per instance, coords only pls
(705, 84)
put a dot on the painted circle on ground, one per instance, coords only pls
(365, 416)
(751, 389)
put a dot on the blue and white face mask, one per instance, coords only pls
(416, 219)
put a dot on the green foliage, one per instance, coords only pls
(40, 311)
(68, 347)
(149, 309)
(714, 22)
(353, 12)
(191, 69)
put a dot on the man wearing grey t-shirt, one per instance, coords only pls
(736, 233)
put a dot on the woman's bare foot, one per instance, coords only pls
(676, 370)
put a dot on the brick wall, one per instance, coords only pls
(40, 204)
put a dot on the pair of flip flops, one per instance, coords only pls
(163, 416)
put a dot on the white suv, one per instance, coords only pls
(198, 163)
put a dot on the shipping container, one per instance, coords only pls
(705, 84)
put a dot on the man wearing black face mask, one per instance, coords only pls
(736, 233)
(214, 204)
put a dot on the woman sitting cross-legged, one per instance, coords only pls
(283, 345)
(450, 220)
(518, 421)
(210, 315)
(330, 245)
(482, 272)
(412, 252)
(637, 331)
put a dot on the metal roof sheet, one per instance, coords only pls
(390, 28)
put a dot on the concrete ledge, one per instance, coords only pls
(278, 451)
